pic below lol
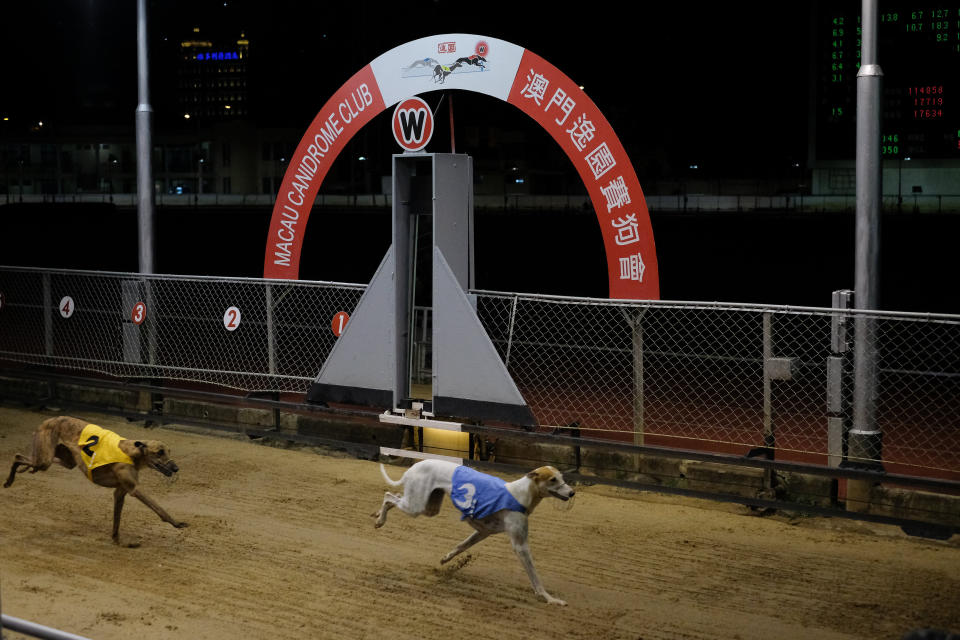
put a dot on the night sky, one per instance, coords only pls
(721, 85)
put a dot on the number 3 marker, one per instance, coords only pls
(139, 313)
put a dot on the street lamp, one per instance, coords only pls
(277, 180)
(900, 161)
(365, 169)
(112, 166)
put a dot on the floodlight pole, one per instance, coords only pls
(145, 187)
(864, 439)
(144, 146)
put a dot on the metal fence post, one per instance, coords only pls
(272, 348)
(637, 331)
(773, 369)
(130, 294)
(271, 338)
(513, 315)
(133, 326)
(768, 437)
(635, 322)
(152, 321)
(838, 371)
(48, 312)
(780, 368)
(865, 439)
(838, 388)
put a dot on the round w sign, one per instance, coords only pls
(412, 124)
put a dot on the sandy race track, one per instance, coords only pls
(281, 544)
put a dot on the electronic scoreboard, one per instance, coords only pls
(918, 50)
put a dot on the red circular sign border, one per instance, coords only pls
(133, 312)
(429, 123)
(333, 322)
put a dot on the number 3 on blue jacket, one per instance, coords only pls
(478, 495)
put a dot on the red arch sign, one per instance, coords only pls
(502, 70)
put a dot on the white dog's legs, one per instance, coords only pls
(523, 552)
(516, 528)
(424, 485)
(390, 500)
(472, 539)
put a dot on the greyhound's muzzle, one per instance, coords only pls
(563, 497)
(167, 469)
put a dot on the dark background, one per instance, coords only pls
(715, 84)
(726, 86)
(762, 257)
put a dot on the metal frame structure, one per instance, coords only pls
(371, 362)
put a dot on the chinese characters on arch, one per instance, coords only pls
(573, 120)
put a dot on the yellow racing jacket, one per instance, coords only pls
(99, 447)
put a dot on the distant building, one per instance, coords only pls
(216, 158)
(212, 77)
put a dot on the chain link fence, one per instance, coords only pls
(248, 334)
(735, 378)
(721, 378)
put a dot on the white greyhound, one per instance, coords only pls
(489, 504)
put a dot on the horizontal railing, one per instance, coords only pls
(700, 202)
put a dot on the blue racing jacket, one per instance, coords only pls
(478, 495)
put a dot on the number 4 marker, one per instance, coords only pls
(66, 306)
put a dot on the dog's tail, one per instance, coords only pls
(390, 481)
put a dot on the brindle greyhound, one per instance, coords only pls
(62, 440)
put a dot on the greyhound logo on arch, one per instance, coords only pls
(412, 124)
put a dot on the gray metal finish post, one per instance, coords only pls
(144, 146)
(864, 439)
